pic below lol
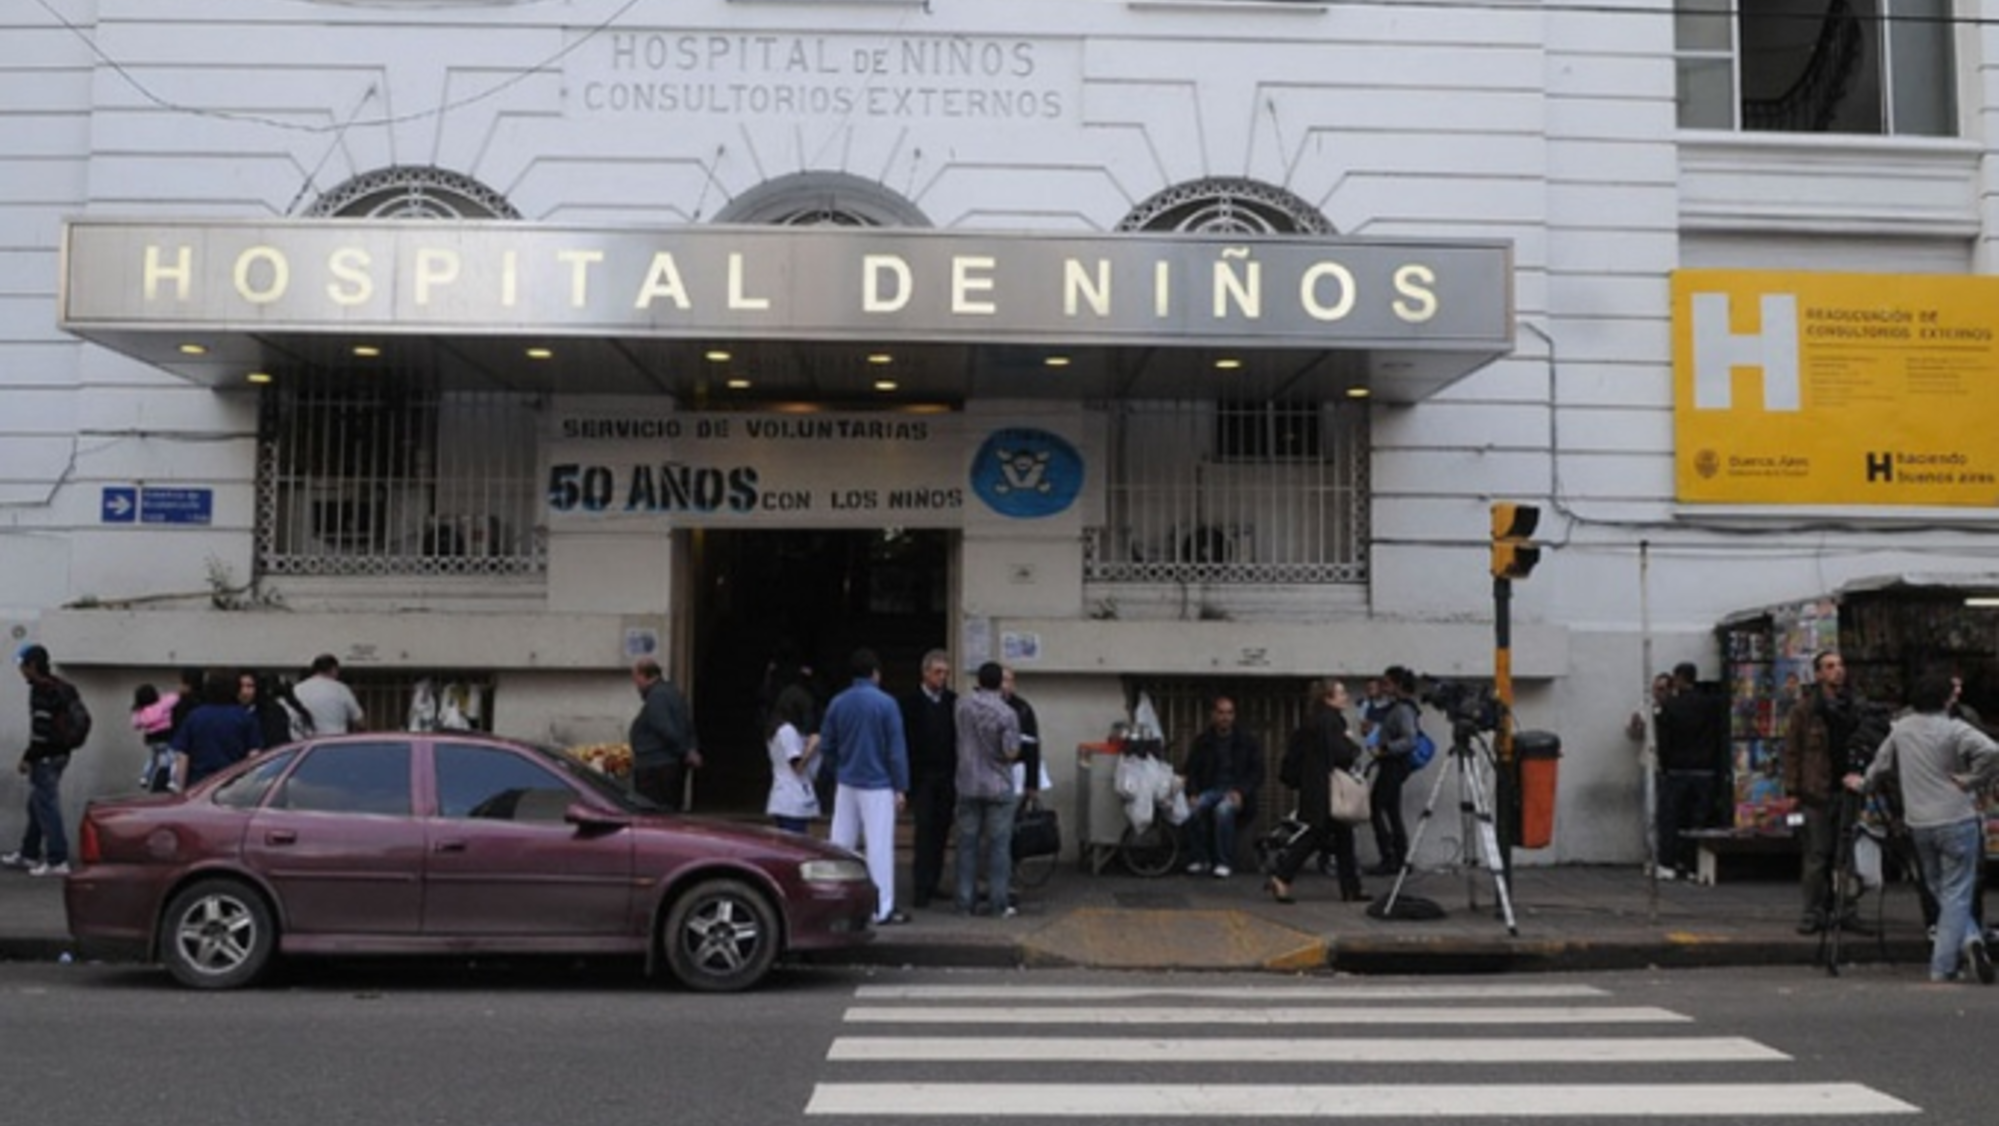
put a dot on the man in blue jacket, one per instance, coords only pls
(862, 740)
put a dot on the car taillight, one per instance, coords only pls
(88, 850)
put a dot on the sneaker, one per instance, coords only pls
(61, 869)
(1663, 873)
(1197, 868)
(1811, 924)
(16, 860)
(1981, 961)
(1009, 911)
(1222, 872)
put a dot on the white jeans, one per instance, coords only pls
(869, 816)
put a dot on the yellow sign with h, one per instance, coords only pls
(1835, 389)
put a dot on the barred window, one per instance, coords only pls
(1234, 493)
(397, 478)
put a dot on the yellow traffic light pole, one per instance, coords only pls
(1514, 555)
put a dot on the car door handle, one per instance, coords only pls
(448, 846)
(281, 837)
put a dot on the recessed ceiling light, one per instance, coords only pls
(259, 377)
(194, 349)
(739, 385)
(1358, 392)
(541, 353)
(367, 351)
(885, 384)
(717, 356)
(1227, 363)
(879, 358)
(1056, 361)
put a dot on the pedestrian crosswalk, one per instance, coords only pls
(1054, 1052)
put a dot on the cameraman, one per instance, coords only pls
(1816, 734)
(1397, 724)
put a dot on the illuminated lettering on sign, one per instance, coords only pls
(802, 283)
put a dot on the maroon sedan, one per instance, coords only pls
(448, 843)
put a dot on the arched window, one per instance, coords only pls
(1227, 205)
(413, 191)
(822, 199)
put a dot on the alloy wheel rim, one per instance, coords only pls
(723, 934)
(217, 934)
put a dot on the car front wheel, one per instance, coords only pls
(217, 935)
(720, 937)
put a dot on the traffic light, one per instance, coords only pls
(1513, 552)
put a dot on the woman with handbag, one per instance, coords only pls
(1321, 756)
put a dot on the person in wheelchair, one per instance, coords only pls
(1224, 771)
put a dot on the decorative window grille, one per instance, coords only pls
(822, 199)
(413, 192)
(1226, 205)
(390, 476)
(1234, 493)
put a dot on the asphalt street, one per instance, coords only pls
(494, 1046)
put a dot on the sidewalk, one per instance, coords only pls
(1569, 918)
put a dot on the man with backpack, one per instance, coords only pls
(59, 724)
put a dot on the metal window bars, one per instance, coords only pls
(397, 478)
(1233, 493)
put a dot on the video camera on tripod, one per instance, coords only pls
(1472, 707)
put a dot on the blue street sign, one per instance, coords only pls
(176, 506)
(121, 505)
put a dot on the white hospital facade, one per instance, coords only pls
(1163, 345)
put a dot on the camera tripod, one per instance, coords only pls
(1848, 889)
(1480, 830)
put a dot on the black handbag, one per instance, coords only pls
(1036, 832)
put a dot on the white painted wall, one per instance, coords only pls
(1550, 128)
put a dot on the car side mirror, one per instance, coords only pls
(591, 820)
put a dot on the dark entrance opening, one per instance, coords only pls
(821, 592)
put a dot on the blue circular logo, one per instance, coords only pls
(1027, 473)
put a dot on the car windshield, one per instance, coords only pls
(597, 781)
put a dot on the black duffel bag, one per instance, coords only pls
(1036, 831)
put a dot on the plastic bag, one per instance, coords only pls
(423, 706)
(1867, 861)
(1138, 811)
(1162, 780)
(1177, 810)
(1145, 720)
(1130, 779)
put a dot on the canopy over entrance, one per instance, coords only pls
(821, 314)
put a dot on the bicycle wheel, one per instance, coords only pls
(1153, 852)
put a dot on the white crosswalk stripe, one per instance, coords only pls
(1043, 1016)
(1439, 992)
(971, 1031)
(1054, 1049)
(1373, 1100)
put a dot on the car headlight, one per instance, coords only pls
(832, 871)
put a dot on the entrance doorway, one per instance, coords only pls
(823, 593)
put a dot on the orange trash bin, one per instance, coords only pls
(1539, 755)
